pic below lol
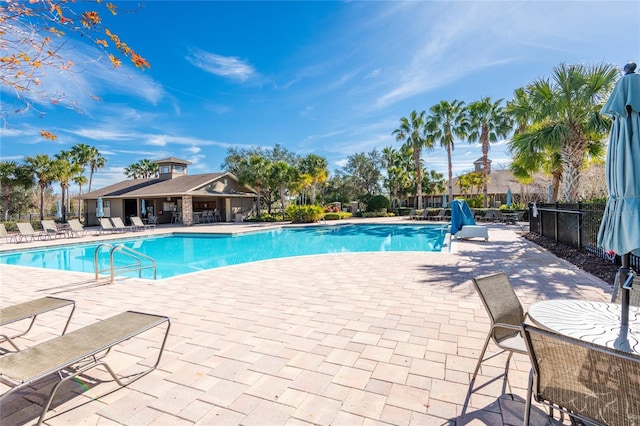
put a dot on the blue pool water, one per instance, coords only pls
(178, 254)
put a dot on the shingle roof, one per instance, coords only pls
(154, 187)
(501, 180)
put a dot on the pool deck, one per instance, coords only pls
(339, 339)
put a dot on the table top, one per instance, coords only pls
(596, 322)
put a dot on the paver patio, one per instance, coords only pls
(338, 339)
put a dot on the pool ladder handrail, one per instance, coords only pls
(125, 268)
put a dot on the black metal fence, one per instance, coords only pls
(574, 225)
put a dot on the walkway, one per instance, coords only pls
(343, 339)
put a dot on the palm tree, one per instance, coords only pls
(65, 170)
(45, 174)
(446, 121)
(316, 167)
(81, 155)
(254, 171)
(568, 105)
(148, 168)
(96, 162)
(133, 171)
(488, 122)
(281, 175)
(412, 132)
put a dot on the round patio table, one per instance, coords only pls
(596, 322)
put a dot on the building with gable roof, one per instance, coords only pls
(174, 196)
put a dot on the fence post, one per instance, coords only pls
(580, 223)
(555, 220)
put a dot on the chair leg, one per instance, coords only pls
(527, 406)
(480, 358)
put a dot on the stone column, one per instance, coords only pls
(187, 210)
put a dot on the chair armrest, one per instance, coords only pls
(508, 326)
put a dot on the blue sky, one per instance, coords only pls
(329, 78)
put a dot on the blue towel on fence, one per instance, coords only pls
(460, 215)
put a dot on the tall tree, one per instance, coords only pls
(65, 170)
(15, 180)
(363, 173)
(447, 121)
(398, 168)
(488, 122)
(282, 176)
(96, 162)
(567, 107)
(254, 171)
(317, 168)
(81, 155)
(45, 174)
(412, 132)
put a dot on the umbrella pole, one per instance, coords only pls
(624, 274)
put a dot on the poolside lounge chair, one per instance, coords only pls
(7, 237)
(592, 383)
(506, 314)
(75, 228)
(119, 225)
(137, 222)
(72, 355)
(462, 223)
(423, 215)
(107, 227)
(31, 310)
(440, 215)
(50, 227)
(28, 234)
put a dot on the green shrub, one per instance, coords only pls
(304, 214)
(378, 203)
(379, 213)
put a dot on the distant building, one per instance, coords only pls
(499, 182)
(174, 196)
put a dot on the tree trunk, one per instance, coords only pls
(572, 154)
(42, 202)
(416, 159)
(450, 173)
(484, 140)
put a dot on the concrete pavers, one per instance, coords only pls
(368, 338)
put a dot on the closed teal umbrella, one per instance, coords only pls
(444, 200)
(620, 227)
(99, 208)
(508, 198)
(58, 210)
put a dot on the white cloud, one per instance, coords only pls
(224, 66)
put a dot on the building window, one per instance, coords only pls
(165, 169)
(179, 169)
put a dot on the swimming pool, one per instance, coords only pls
(182, 253)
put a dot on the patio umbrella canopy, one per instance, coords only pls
(143, 207)
(444, 200)
(99, 208)
(508, 198)
(620, 227)
(58, 210)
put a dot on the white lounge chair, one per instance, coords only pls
(75, 228)
(107, 227)
(49, 226)
(9, 238)
(119, 225)
(462, 223)
(28, 234)
(137, 222)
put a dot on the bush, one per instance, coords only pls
(378, 203)
(304, 214)
(337, 216)
(379, 213)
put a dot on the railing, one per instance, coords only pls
(574, 225)
(138, 266)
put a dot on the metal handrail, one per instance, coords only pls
(125, 268)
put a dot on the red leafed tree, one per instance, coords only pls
(34, 41)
